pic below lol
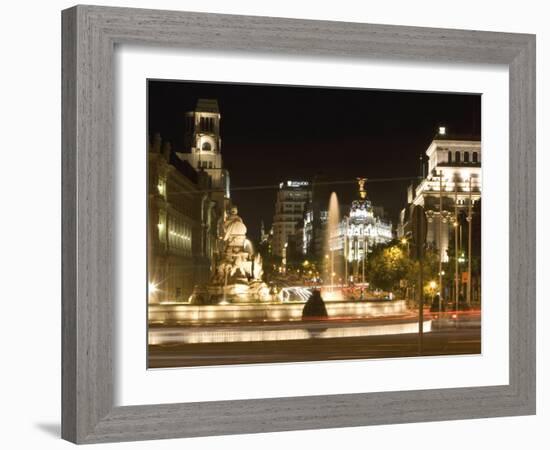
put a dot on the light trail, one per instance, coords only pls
(262, 334)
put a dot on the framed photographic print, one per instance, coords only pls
(273, 248)
(277, 224)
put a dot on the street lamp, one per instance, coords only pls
(469, 219)
(442, 217)
(153, 287)
(152, 290)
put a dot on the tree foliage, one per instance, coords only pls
(387, 266)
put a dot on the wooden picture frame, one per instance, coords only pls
(90, 34)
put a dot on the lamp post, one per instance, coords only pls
(456, 243)
(364, 256)
(346, 251)
(440, 176)
(440, 237)
(433, 285)
(469, 285)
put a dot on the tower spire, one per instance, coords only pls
(362, 191)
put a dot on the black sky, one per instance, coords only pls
(275, 133)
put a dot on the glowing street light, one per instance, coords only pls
(153, 287)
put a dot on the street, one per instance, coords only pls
(444, 340)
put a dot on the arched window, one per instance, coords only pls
(206, 146)
(450, 157)
(474, 157)
(466, 157)
(457, 156)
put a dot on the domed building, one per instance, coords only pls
(358, 232)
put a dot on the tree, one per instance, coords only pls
(387, 266)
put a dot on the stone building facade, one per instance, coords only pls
(451, 196)
(182, 225)
(453, 178)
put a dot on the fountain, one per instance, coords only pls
(236, 292)
(334, 290)
(238, 274)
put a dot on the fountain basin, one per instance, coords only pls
(182, 313)
(293, 331)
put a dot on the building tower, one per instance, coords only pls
(202, 142)
(292, 198)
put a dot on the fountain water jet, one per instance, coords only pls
(331, 247)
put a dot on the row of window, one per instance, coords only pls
(292, 208)
(206, 165)
(206, 124)
(465, 158)
(179, 236)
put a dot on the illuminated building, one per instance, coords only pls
(292, 197)
(350, 239)
(203, 144)
(451, 196)
(358, 232)
(454, 169)
(181, 226)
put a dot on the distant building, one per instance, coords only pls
(453, 177)
(203, 144)
(361, 227)
(292, 198)
(181, 226)
(315, 219)
(358, 232)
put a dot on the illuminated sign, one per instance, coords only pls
(297, 183)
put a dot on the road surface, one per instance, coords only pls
(445, 341)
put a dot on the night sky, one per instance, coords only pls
(275, 133)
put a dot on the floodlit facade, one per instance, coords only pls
(358, 232)
(453, 181)
(292, 197)
(181, 228)
(203, 146)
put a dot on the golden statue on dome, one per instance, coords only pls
(362, 191)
